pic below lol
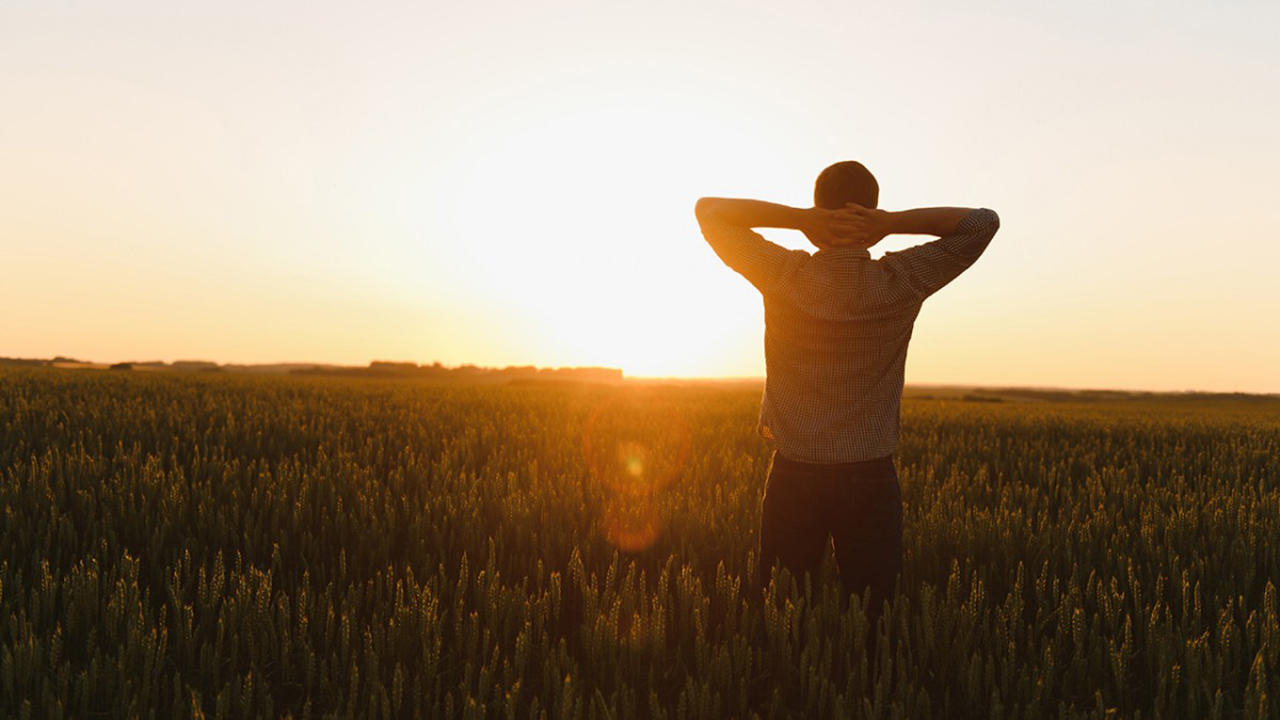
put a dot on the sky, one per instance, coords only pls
(510, 183)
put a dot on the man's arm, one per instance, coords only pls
(938, 221)
(823, 227)
(925, 269)
(727, 226)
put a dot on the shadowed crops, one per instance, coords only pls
(187, 546)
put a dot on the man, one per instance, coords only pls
(837, 325)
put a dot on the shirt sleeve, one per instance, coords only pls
(761, 262)
(927, 268)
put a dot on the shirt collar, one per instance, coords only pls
(850, 251)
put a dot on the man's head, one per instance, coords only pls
(843, 183)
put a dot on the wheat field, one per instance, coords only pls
(185, 545)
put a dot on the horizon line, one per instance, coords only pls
(644, 377)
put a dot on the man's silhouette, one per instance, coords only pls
(837, 325)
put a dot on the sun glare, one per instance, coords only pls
(579, 215)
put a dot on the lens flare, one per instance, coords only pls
(632, 456)
(631, 529)
(635, 444)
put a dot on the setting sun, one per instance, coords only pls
(574, 214)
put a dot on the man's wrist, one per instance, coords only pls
(892, 221)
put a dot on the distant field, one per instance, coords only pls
(217, 545)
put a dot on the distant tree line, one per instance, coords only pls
(377, 368)
(385, 368)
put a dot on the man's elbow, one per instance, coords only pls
(990, 219)
(705, 208)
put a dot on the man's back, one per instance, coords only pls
(837, 327)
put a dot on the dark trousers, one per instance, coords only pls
(855, 506)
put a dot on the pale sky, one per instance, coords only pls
(513, 182)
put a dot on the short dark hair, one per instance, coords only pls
(846, 182)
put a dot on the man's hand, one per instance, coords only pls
(834, 228)
(848, 226)
(870, 225)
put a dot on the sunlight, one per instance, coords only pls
(574, 213)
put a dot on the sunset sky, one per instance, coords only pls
(513, 182)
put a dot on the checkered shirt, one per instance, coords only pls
(837, 324)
